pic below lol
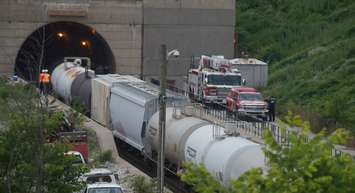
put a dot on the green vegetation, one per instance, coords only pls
(310, 47)
(103, 157)
(29, 160)
(140, 184)
(303, 167)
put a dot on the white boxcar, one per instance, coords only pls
(254, 71)
(131, 106)
(101, 94)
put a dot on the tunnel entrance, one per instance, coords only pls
(47, 46)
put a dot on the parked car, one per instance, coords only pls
(246, 101)
(78, 157)
(78, 141)
(103, 188)
(97, 175)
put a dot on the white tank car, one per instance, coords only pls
(225, 158)
(177, 132)
(195, 140)
(63, 77)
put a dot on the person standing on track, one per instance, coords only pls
(44, 79)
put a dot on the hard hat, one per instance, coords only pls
(14, 77)
(44, 70)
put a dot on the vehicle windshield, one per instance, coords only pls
(250, 96)
(215, 79)
(75, 158)
(105, 190)
(95, 179)
(231, 80)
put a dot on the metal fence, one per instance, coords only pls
(247, 126)
(251, 128)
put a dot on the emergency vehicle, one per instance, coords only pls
(212, 79)
(246, 101)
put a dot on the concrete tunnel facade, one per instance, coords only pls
(132, 30)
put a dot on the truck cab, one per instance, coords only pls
(217, 84)
(211, 81)
(246, 101)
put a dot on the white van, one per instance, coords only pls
(103, 188)
(98, 175)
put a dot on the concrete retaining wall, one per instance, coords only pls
(195, 27)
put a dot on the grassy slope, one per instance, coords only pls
(310, 45)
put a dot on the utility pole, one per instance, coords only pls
(39, 186)
(235, 41)
(162, 105)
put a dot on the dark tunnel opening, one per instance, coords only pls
(59, 40)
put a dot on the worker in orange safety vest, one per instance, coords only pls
(44, 80)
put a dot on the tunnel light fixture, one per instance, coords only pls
(60, 34)
(84, 43)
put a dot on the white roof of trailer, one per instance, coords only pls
(139, 93)
(144, 87)
(117, 78)
(251, 61)
(142, 92)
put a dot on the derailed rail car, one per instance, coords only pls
(130, 107)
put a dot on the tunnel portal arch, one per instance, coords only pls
(59, 40)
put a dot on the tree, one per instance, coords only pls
(200, 180)
(139, 184)
(22, 149)
(306, 165)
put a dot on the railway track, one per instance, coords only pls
(148, 166)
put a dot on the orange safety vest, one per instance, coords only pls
(44, 77)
